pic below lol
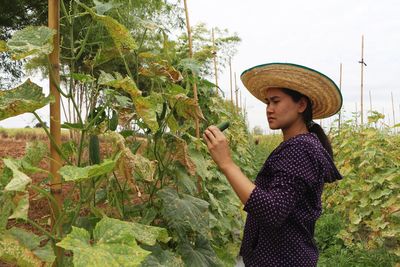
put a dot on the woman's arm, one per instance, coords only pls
(220, 152)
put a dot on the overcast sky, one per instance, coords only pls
(317, 34)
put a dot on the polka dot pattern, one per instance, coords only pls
(285, 204)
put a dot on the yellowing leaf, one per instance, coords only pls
(32, 40)
(113, 245)
(3, 46)
(119, 33)
(179, 152)
(27, 97)
(19, 180)
(20, 247)
(186, 107)
(21, 211)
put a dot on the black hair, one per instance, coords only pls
(307, 116)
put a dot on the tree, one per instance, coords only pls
(15, 15)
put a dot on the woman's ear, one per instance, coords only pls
(302, 105)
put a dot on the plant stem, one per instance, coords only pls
(51, 138)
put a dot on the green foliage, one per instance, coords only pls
(27, 97)
(369, 192)
(162, 175)
(32, 40)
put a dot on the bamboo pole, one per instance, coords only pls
(370, 102)
(236, 93)
(55, 119)
(230, 78)
(215, 61)
(191, 56)
(240, 101)
(362, 79)
(196, 99)
(55, 115)
(394, 118)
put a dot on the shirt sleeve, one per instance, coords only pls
(294, 169)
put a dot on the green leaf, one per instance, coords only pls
(149, 235)
(181, 212)
(163, 258)
(27, 97)
(119, 33)
(199, 255)
(113, 245)
(19, 180)
(3, 46)
(73, 173)
(84, 78)
(102, 8)
(34, 152)
(190, 64)
(32, 40)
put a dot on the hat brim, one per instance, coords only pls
(324, 94)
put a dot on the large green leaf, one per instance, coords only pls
(23, 248)
(113, 245)
(163, 258)
(27, 97)
(199, 255)
(181, 212)
(19, 180)
(73, 173)
(32, 40)
(119, 33)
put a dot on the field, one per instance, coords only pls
(133, 183)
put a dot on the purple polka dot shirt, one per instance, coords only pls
(285, 204)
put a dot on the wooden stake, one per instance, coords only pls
(199, 179)
(236, 93)
(394, 118)
(362, 79)
(230, 77)
(240, 101)
(55, 118)
(215, 61)
(370, 102)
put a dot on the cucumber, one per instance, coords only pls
(223, 125)
(94, 149)
(113, 122)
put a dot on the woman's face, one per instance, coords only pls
(282, 111)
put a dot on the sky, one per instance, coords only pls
(318, 34)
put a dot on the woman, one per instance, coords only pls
(284, 202)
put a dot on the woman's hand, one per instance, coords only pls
(218, 146)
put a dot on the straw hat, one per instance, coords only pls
(324, 94)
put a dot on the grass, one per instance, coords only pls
(26, 133)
